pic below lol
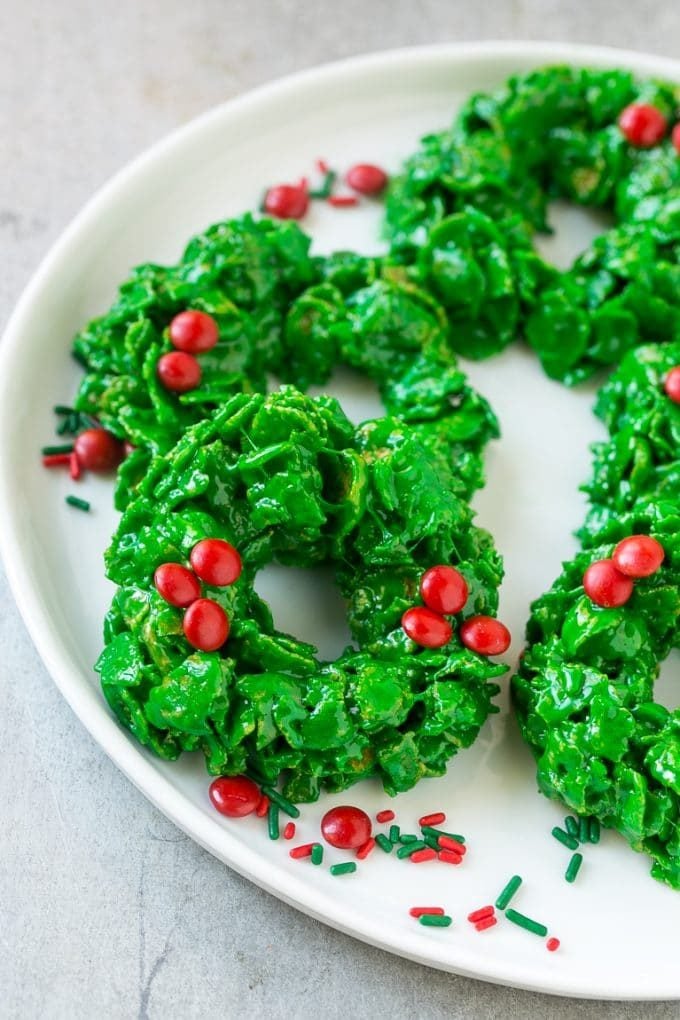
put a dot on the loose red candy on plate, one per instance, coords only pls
(671, 384)
(98, 450)
(346, 827)
(366, 178)
(234, 796)
(485, 635)
(193, 331)
(287, 201)
(176, 584)
(426, 628)
(642, 125)
(444, 589)
(216, 562)
(606, 585)
(638, 556)
(178, 371)
(205, 625)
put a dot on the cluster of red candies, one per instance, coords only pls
(444, 591)
(671, 384)
(644, 125)
(191, 332)
(216, 562)
(609, 583)
(291, 201)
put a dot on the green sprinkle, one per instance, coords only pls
(564, 838)
(394, 834)
(343, 869)
(526, 922)
(594, 830)
(79, 504)
(407, 837)
(62, 409)
(273, 821)
(428, 830)
(327, 186)
(435, 920)
(286, 805)
(317, 853)
(48, 451)
(572, 826)
(583, 827)
(384, 843)
(508, 892)
(432, 842)
(64, 427)
(573, 867)
(410, 848)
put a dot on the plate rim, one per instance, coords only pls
(90, 710)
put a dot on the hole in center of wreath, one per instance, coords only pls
(575, 227)
(667, 686)
(306, 603)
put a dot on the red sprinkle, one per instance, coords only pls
(419, 911)
(642, 125)
(322, 166)
(481, 914)
(447, 843)
(304, 850)
(671, 383)
(366, 849)
(449, 857)
(74, 466)
(487, 922)
(434, 819)
(427, 854)
(552, 944)
(263, 807)
(342, 200)
(56, 459)
(385, 816)
(366, 178)
(289, 830)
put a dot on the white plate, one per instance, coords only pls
(618, 927)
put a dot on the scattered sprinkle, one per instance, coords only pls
(573, 867)
(394, 833)
(411, 848)
(289, 830)
(526, 922)
(435, 920)
(426, 854)
(385, 816)
(49, 451)
(74, 466)
(508, 892)
(432, 911)
(583, 829)
(286, 805)
(408, 837)
(263, 807)
(366, 849)
(552, 944)
(434, 819)
(79, 504)
(304, 850)
(572, 826)
(384, 843)
(342, 201)
(564, 838)
(594, 830)
(343, 869)
(429, 830)
(481, 913)
(273, 821)
(317, 854)
(449, 857)
(486, 922)
(447, 843)
(56, 459)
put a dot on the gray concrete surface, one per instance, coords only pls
(106, 910)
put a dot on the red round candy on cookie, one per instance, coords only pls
(178, 371)
(193, 332)
(605, 585)
(444, 589)
(346, 827)
(216, 562)
(485, 635)
(671, 384)
(234, 796)
(205, 625)
(176, 584)
(426, 628)
(642, 125)
(638, 556)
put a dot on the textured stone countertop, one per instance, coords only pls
(107, 910)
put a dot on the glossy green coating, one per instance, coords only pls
(289, 478)
(467, 203)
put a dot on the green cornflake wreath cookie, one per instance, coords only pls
(385, 501)
(289, 478)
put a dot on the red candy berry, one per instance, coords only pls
(638, 556)
(193, 332)
(216, 562)
(97, 450)
(287, 201)
(485, 635)
(346, 827)
(234, 796)
(178, 371)
(444, 589)
(366, 178)
(426, 628)
(606, 585)
(176, 584)
(675, 138)
(642, 125)
(205, 625)
(671, 384)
